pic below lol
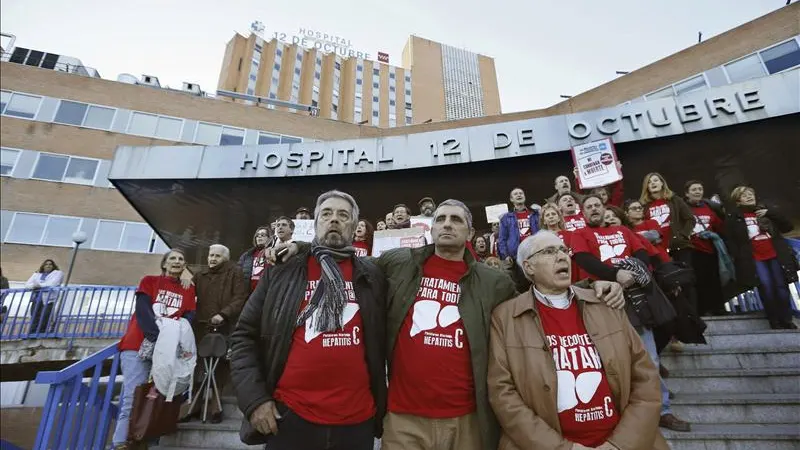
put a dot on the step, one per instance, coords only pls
(736, 322)
(700, 357)
(759, 339)
(738, 408)
(735, 437)
(198, 435)
(735, 381)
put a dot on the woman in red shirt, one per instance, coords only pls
(674, 217)
(647, 228)
(157, 295)
(363, 238)
(481, 247)
(762, 256)
(551, 219)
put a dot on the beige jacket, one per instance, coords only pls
(522, 376)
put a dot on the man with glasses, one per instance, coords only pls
(606, 387)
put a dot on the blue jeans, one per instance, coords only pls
(135, 371)
(774, 291)
(649, 342)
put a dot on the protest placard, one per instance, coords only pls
(303, 230)
(424, 223)
(596, 164)
(388, 239)
(495, 212)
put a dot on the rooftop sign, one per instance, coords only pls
(325, 42)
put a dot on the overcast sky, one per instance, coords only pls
(542, 49)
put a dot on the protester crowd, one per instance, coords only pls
(542, 332)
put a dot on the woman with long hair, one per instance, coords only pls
(761, 255)
(363, 239)
(481, 247)
(647, 228)
(42, 303)
(157, 295)
(675, 219)
(551, 219)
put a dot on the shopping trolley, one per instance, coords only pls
(211, 349)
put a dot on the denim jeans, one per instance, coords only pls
(774, 291)
(649, 342)
(135, 371)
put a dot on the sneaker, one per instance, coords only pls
(670, 422)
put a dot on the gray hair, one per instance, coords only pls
(525, 249)
(336, 194)
(226, 253)
(458, 203)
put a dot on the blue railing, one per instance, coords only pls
(66, 312)
(80, 414)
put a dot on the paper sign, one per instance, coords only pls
(596, 163)
(425, 223)
(495, 212)
(388, 239)
(303, 230)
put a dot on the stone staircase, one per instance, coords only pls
(741, 391)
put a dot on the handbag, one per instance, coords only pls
(152, 416)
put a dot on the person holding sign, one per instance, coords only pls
(402, 216)
(426, 207)
(516, 225)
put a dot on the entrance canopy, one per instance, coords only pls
(195, 196)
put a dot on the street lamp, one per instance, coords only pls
(78, 237)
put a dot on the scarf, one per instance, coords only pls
(641, 274)
(727, 271)
(326, 307)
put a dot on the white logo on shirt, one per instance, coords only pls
(428, 313)
(611, 245)
(661, 214)
(350, 310)
(572, 389)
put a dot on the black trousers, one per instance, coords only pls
(296, 433)
(40, 316)
(709, 288)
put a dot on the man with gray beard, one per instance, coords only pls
(308, 356)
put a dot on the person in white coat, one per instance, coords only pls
(42, 302)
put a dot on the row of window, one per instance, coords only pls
(53, 167)
(113, 235)
(70, 112)
(462, 83)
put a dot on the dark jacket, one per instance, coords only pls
(681, 222)
(508, 240)
(482, 288)
(246, 263)
(221, 290)
(263, 336)
(741, 249)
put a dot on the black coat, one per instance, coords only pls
(263, 336)
(741, 250)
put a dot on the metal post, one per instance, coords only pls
(79, 237)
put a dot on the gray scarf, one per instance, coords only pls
(329, 296)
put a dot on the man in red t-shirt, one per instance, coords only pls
(593, 348)
(516, 225)
(308, 357)
(573, 218)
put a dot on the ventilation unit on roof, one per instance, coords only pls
(127, 78)
(150, 80)
(194, 88)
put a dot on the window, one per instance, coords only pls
(8, 159)
(334, 108)
(290, 140)
(744, 69)
(21, 105)
(408, 120)
(81, 170)
(374, 113)
(277, 66)
(391, 88)
(360, 68)
(279, 52)
(208, 134)
(231, 136)
(299, 56)
(392, 103)
(316, 75)
(408, 79)
(408, 92)
(265, 138)
(250, 91)
(782, 56)
(135, 237)
(143, 124)
(274, 80)
(253, 77)
(50, 167)
(26, 228)
(391, 75)
(99, 117)
(359, 81)
(376, 71)
(661, 93)
(70, 113)
(374, 99)
(375, 85)
(159, 246)
(5, 96)
(297, 71)
(337, 66)
(408, 105)
(692, 84)
(168, 128)
(314, 103)
(107, 235)
(59, 230)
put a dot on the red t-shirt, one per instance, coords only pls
(574, 222)
(431, 365)
(659, 211)
(259, 264)
(361, 248)
(524, 224)
(586, 410)
(174, 301)
(651, 224)
(326, 380)
(704, 219)
(761, 241)
(609, 244)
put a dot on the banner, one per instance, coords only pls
(495, 212)
(388, 239)
(596, 164)
(303, 230)
(425, 223)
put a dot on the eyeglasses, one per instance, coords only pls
(550, 251)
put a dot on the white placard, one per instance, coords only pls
(495, 212)
(388, 239)
(303, 230)
(425, 223)
(596, 163)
